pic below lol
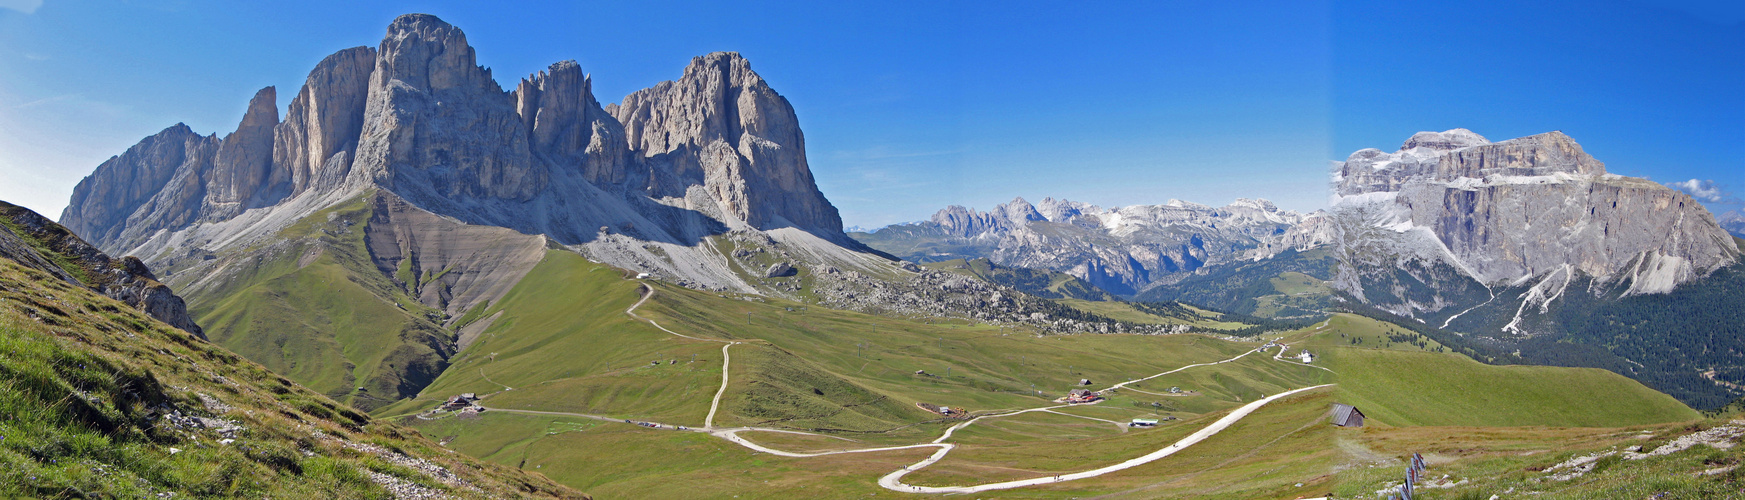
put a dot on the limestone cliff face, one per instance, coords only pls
(243, 164)
(1505, 213)
(177, 178)
(417, 116)
(722, 126)
(569, 128)
(315, 146)
(435, 121)
(156, 184)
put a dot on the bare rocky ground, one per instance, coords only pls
(897, 288)
(1723, 437)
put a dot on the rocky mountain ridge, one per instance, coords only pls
(1123, 250)
(344, 242)
(1503, 213)
(714, 151)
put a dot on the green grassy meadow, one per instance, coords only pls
(1403, 384)
(561, 342)
(316, 310)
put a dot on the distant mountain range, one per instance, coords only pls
(1123, 250)
(1734, 222)
(1510, 240)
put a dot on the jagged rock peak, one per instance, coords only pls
(1061, 210)
(427, 53)
(1019, 211)
(966, 222)
(263, 109)
(437, 128)
(723, 127)
(568, 127)
(244, 161)
(104, 203)
(318, 140)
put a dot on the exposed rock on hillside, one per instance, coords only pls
(242, 166)
(34, 241)
(569, 127)
(436, 124)
(1123, 250)
(778, 270)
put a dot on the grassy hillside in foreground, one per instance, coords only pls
(1498, 430)
(97, 401)
(1521, 462)
(314, 308)
(1401, 384)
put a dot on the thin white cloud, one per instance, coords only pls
(1704, 190)
(35, 56)
(47, 100)
(25, 6)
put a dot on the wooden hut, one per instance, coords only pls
(1345, 415)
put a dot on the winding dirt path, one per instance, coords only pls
(726, 358)
(893, 481)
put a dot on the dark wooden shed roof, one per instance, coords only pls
(1345, 415)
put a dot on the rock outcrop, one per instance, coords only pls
(435, 121)
(570, 129)
(1528, 206)
(35, 241)
(778, 270)
(1122, 250)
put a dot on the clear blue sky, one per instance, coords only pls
(910, 107)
